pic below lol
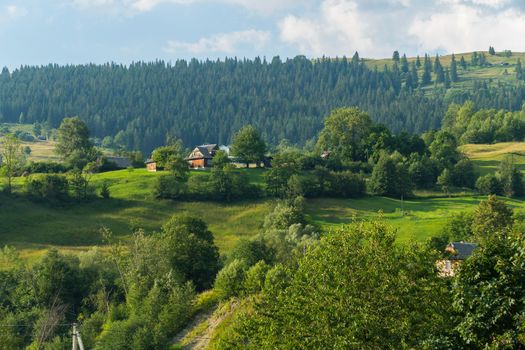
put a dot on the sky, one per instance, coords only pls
(35, 32)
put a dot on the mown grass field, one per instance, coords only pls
(486, 158)
(34, 227)
(500, 71)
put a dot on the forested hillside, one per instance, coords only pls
(137, 106)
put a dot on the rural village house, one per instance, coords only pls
(458, 252)
(201, 156)
(151, 165)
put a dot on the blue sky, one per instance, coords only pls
(81, 31)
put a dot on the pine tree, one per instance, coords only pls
(418, 62)
(463, 63)
(355, 58)
(427, 71)
(453, 70)
(395, 56)
(413, 75)
(474, 59)
(447, 79)
(404, 64)
(482, 59)
(492, 51)
(438, 70)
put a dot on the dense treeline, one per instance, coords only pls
(136, 106)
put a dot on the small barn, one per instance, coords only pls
(457, 252)
(201, 156)
(151, 165)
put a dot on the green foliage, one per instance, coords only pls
(373, 303)
(47, 187)
(285, 214)
(488, 292)
(250, 251)
(255, 277)
(248, 145)
(104, 190)
(73, 144)
(344, 132)
(510, 177)
(390, 178)
(12, 159)
(490, 217)
(489, 184)
(230, 280)
(191, 250)
(166, 154)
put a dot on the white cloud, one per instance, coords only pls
(467, 28)
(227, 43)
(339, 29)
(11, 12)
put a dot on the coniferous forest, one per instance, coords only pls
(140, 105)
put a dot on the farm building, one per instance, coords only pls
(458, 252)
(201, 156)
(151, 165)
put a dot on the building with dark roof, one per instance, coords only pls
(201, 156)
(456, 252)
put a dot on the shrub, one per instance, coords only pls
(104, 190)
(346, 184)
(230, 279)
(255, 277)
(48, 187)
(489, 184)
(168, 187)
(45, 168)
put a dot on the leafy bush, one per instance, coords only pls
(48, 187)
(346, 184)
(230, 279)
(45, 168)
(489, 184)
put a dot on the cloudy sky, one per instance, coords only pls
(81, 31)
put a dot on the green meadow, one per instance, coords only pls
(34, 227)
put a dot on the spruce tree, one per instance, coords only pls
(438, 70)
(395, 56)
(453, 70)
(492, 51)
(474, 59)
(427, 72)
(404, 64)
(413, 75)
(418, 62)
(463, 63)
(447, 79)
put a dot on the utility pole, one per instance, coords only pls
(77, 339)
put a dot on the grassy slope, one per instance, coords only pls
(487, 157)
(34, 227)
(494, 73)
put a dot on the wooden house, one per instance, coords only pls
(151, 165)
(456, 252)
(201, 156)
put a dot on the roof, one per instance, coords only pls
(203, 152)
(461, 250)
(150, 161)
(121, 162)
